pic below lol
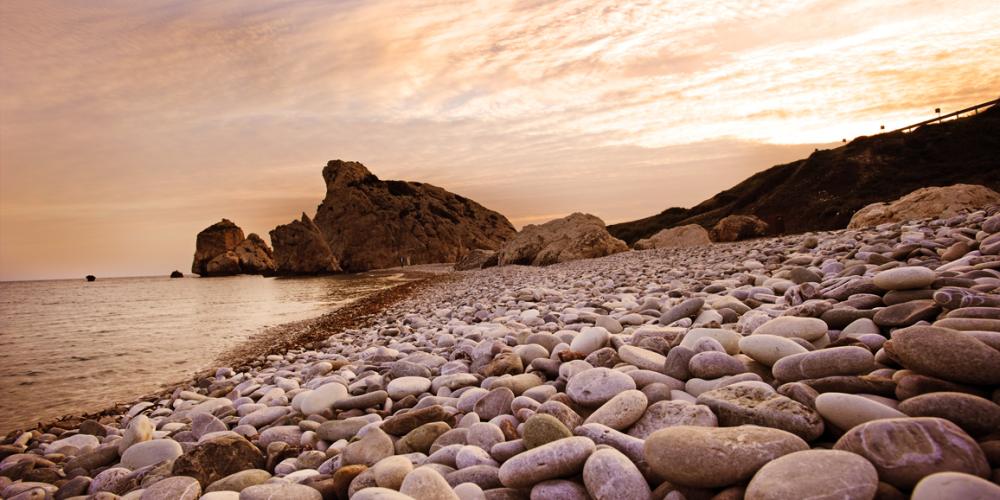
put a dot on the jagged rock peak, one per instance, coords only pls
(299, 248)
(343, 173)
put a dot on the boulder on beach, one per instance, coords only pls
(576, 236)
(369, 223)
(176, 274)
(299, 248)
(926, 202)
(739, 227)
(222, 250)
(477, 259)
(91, 277)
(676, 237)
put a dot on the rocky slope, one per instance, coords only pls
(843, 364)
(576, 236)
(222, 250)
(823, 191)
(300, 248)
(369, 223)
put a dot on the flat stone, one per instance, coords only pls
(904, 278)
(907, 313)
(621, 411)
(239, 481)
(814, 474)
(609, 475)
(173, 488)
(904, 450)
(729, 339)
(419, 440)
(402, 423)
(561, 458)
(540, 429)
(373, 446)
(663, 414)
(975, 415)
(955, 485)
(378, 493)
(824, 363)
(642, 358)
(407, 386)
(714, 364)
(848, 410)
(390, 471)
(755, 403)
(323, 398)
(768, 349)
(596, 386)
(335, 430)
(946, 353)
(494, 404)
(793, 326)
(284, 491)
(558, 489)
(687, 309)
(590, 339)
(150, 452)
(139, 429)
(714, 457)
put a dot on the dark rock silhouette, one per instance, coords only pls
(823, 191)
(91, 277)
(176, 274)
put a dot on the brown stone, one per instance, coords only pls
(907, 313)
(975, 415)
(402, 423)
(948, 354)
(576, 236)
(217, 458)
(300, 249)
(753, 403)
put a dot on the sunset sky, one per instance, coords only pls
(128, 126)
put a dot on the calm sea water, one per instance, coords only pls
(68, 346)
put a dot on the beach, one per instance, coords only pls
(801, 356)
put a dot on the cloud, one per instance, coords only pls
(171, 114)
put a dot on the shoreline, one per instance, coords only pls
(277, 339)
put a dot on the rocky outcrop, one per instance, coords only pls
(676, 237)
(926, 202)
(176, 274)
(369, 223)
(577, 236)
(739, 227)
(477, 259)
(299, 248)
(222, 250)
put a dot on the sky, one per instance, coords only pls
(127, 127)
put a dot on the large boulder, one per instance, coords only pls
(299, 248)
(222, 250)
(926, 202)
(477, 259)
(577, 236)
(690, 235)
(369, 223)
(739, 227)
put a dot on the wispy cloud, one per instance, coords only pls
(170, 114)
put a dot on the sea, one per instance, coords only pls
(72, 346)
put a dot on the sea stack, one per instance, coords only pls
(299, 248)
(369, 223)
(222, 250)
(176, 274)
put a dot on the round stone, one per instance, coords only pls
(955, 485)
(378, 493)
(240, 481)
(322, 398)
(561, 458)
(714, 364)
(904, 450)
(793, 326)
(390, 471)
(139, 429)
(590, 339)
(401, 387)
(756, 403)
(905, 278)
(642, 358)
(729, 339)
(663, 414)
(173, 488)
(975, 415)
(427, 483)
(768, 349)
(285, 491)
(947, 354)
(621, 411)
(847, 410)
(610, 475)
(828, 362)
(713, 457)
(596, 386)
(540, 429)
(814, 474)
(150, 452)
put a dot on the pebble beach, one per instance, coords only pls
(857, 363)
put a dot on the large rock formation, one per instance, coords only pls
(577, 236)
(938, 202)
(676, 237)
(477, 259)
(739, 227)
(299, 248)
(369, 223)
(222, 250)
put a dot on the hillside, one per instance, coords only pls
(822, 191)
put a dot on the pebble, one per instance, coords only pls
(173, 488)
(848, 410)
(714, 457)
(975, 415)
(150, 452)
(284, 491)
(815, 474)
(541, 429)
(620, 412)
(561, 458)
(809, 329)
(824, 363)
(948, 354)
(756, 403)
(955, 485)
(904, 278)
(407, 386)
(768, 349)
(610, 475)
(596, 386)
(665, 414)
(426, 483)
